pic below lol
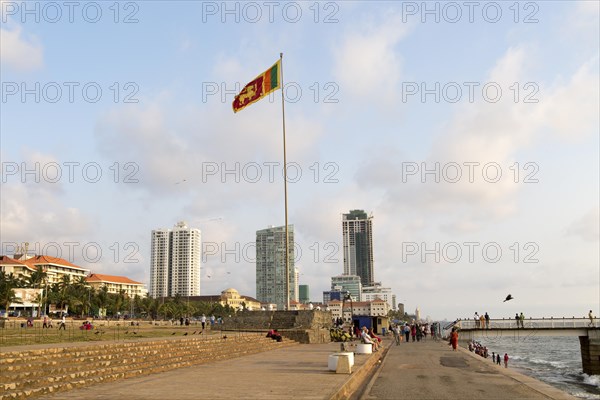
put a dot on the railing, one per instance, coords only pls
(16, 332)
(530, 323)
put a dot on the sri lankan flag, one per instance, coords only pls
(261, 86)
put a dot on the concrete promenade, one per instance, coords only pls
(426, 370)
(293, 372)
(431, 370)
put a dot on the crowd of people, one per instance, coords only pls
(482, 351)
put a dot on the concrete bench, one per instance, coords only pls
(364, 348)
(341, 363)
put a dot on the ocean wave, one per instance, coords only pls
(539, 361)
(593, 380)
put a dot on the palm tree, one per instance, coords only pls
(35, 281)
(8, 282)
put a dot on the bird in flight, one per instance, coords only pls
(509, 297)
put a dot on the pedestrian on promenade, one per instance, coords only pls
(487, 321)
(498, 358)
(45, 324)
(413, 332)
(212, 321)
(591, 317)
(482, 322)
(454, 339)
(522, 320)
(396, 332)
(63, 324)
(517, 319)
(476, 318)
(203, 321)
(406, 332)
(505, 360)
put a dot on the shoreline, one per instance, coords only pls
(535, 384)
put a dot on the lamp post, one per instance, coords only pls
(348, 297)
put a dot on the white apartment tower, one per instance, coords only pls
(357, 230)
(175, 262)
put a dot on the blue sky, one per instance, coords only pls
(354, 113)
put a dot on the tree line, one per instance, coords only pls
(82, 300)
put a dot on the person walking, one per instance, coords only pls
(505, 360)
(454, 339)
(406, 332)
(396, 332)
(487, 321)
(63, 324)
(45, 325)
(203, 321)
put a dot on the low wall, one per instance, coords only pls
(306, 326)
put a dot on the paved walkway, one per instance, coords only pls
(431, 370)
(426, 370)
(293, 372)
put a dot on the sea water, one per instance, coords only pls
(554, 360)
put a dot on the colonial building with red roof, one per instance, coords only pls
(114, 284)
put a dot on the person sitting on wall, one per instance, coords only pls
(374, 336)
(273, 334)
(366, 339)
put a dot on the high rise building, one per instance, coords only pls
(357, 229)
(270, 266)
(348, 283)
(304, 294)
(377, 291)
(175, 262)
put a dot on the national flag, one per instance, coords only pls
(261, 86)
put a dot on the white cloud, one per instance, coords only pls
(367, 64)
(20, 51)
(587, 227)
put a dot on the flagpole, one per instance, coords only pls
(287, 256)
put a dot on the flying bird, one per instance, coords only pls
(177, 183)
(509, 297)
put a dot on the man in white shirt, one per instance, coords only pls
(368, 339)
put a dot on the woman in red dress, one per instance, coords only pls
(454, 339)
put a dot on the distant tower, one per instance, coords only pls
(175, 262)
(304, 294)
(418, 314)
(270, 266)
(357, 232)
